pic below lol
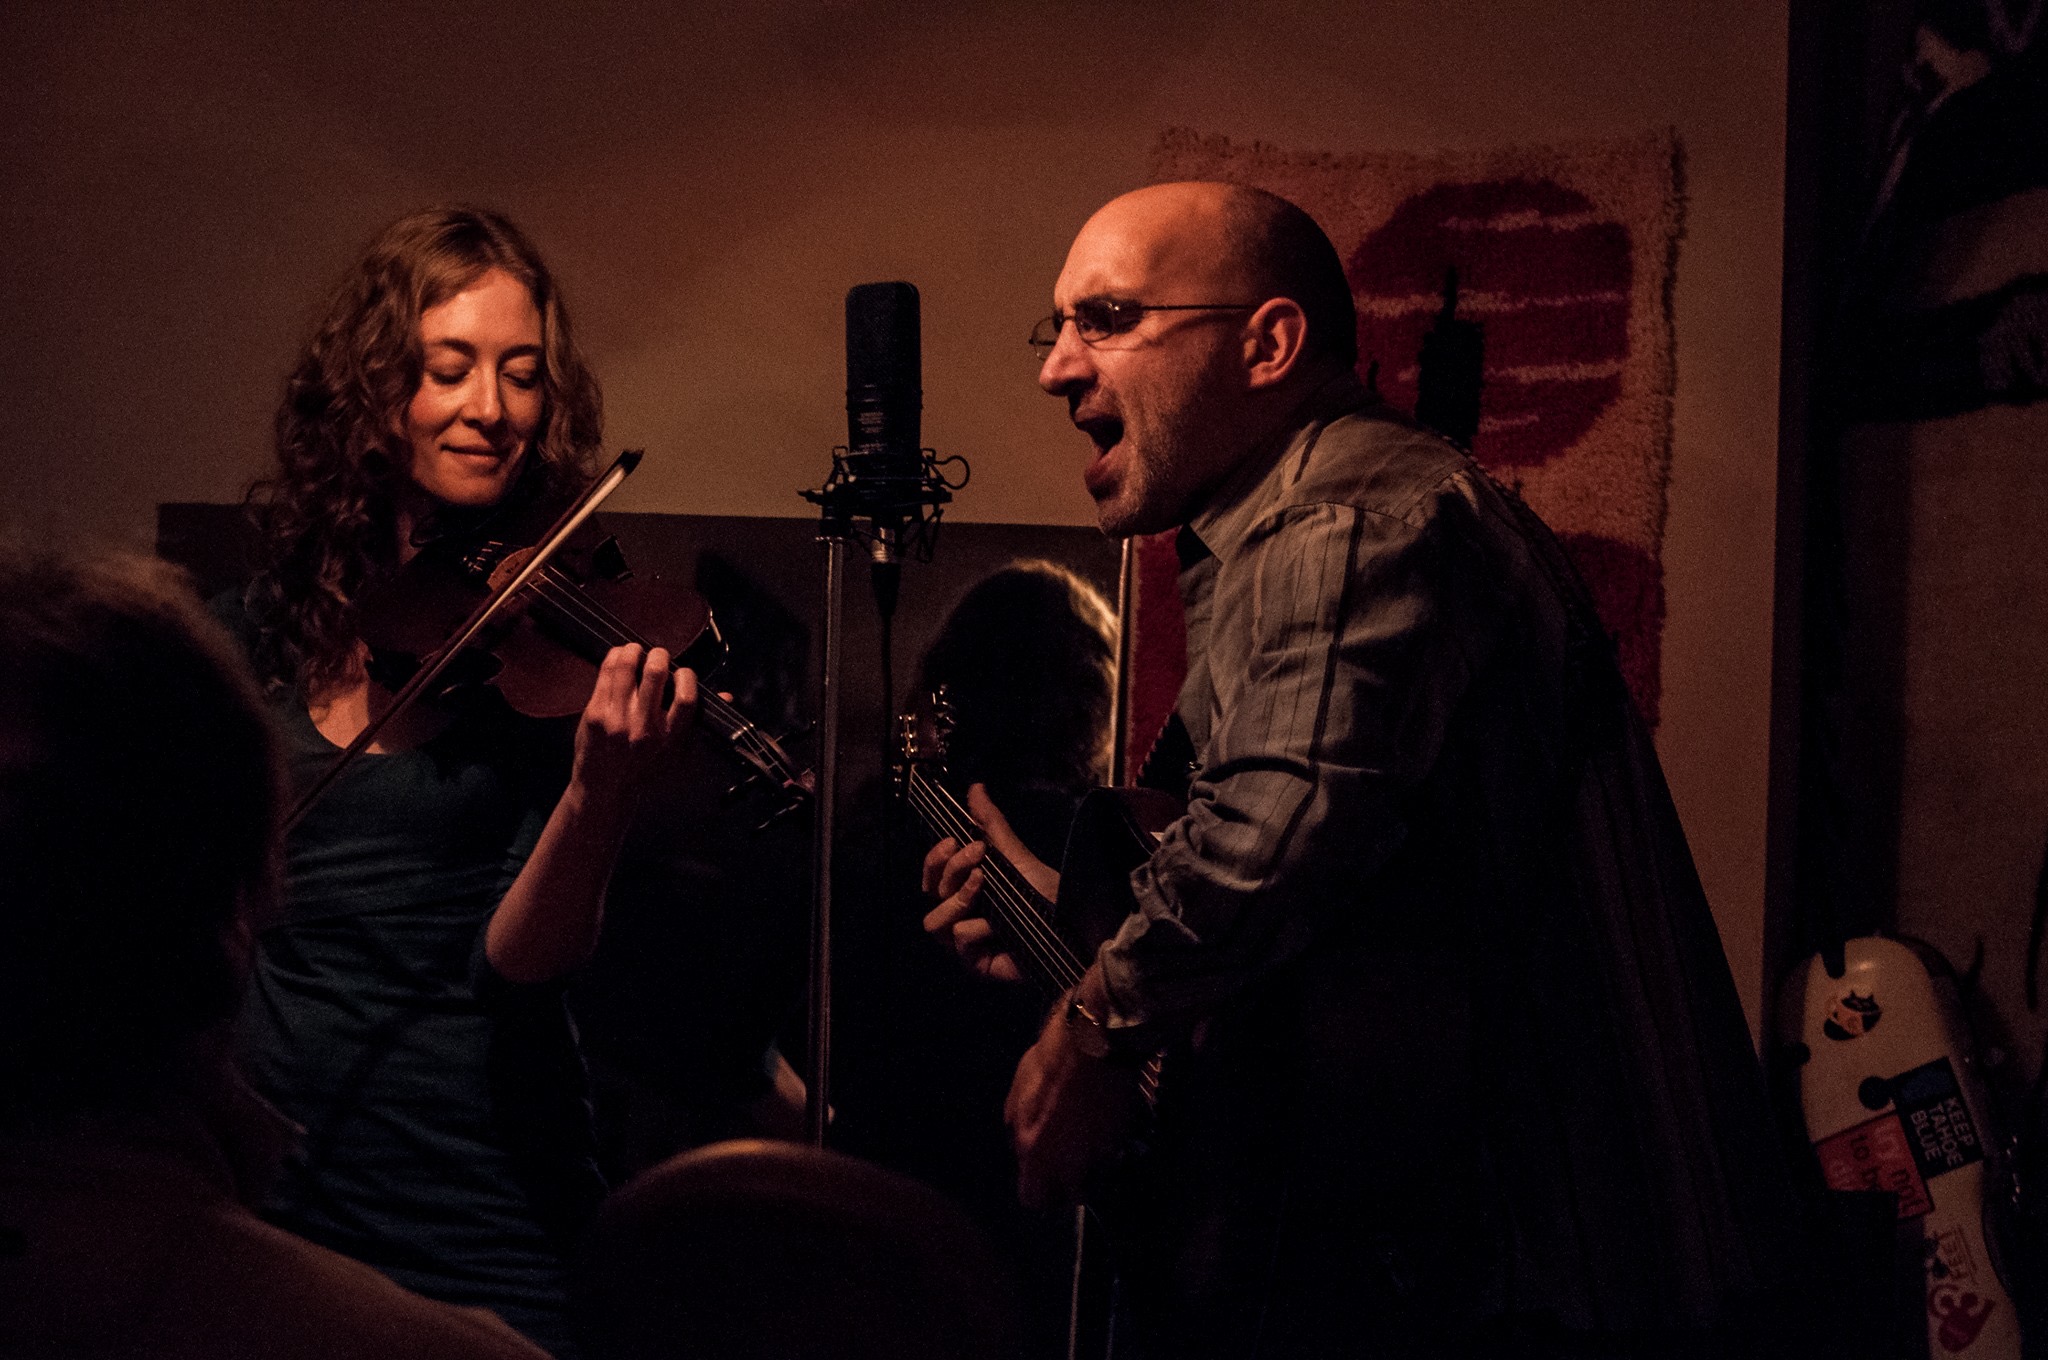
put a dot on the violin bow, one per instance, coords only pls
(430, 669)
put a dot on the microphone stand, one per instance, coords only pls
(894, 505)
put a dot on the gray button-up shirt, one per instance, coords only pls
(1430, 878)
(1331, 627)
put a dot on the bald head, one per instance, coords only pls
(1232, 243)
(1205, 314)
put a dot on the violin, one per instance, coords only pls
(543, 649)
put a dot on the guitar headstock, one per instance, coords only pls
(923, 732)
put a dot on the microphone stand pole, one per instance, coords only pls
(887, 511)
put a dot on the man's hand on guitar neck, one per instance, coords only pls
(953, 874)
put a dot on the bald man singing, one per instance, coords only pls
(1453, 1064)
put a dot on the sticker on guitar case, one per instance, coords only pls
(1852, 1017)
(1930, 1104)
(1875, 1155)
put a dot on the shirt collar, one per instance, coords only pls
(1222, 523)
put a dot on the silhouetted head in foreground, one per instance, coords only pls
(138, 816)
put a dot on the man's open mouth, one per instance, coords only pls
(1105, 431)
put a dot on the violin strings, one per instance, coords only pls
(573, 604)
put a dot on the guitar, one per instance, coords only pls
(1894, 1100)
(1114, 831)
(1193, 1193)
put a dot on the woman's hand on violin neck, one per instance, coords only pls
(634, 717)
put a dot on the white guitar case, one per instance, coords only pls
(1893, 1101)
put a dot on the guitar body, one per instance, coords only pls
(1114, 832)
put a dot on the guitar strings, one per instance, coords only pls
(1008, 891)
(1057, 963)
(1024, 925)
(950, 819)
(1014, 899)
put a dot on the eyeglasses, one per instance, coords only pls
(1096, 319)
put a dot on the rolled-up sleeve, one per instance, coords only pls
(1336, 659)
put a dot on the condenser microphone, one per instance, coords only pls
(884, 402)
(885, 487)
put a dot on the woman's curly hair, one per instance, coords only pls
(326, 521)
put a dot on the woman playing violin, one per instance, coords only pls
(407, 1009)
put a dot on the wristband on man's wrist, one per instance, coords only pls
(1090, 1032)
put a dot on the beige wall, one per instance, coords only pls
(181, 188)
(1946, 531)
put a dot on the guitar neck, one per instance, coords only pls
(1016, 909)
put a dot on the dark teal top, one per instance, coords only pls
(448, 1140)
